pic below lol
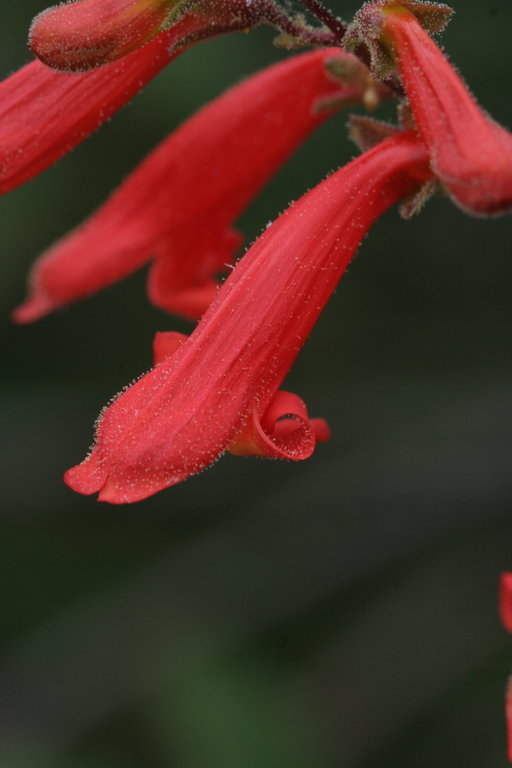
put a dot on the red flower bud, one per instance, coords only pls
(88, 33)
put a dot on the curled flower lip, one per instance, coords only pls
(199, 402)
(178, 207)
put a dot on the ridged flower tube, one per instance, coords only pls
(88, 33)
(505, 609)
(471, 154)
(217, 390)
(179, 206)
(44, 114)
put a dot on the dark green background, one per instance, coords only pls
(339, 613)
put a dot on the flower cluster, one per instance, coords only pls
(218, 389)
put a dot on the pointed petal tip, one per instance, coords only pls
(127, 488)
(34, 308)
(86, 478)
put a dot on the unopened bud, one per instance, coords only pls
(86, 34)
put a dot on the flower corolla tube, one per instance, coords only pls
(208, 171)
(470, 153)
(45, 113)
(216, 390)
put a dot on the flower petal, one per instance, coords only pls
(178, 206)
(471, 154)
(181, 416)
(165, 344)
(505, 601)
(284, 432)
(181, 279)
(44, 114)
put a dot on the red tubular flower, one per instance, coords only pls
(505, 600)
(178, 207)
(89, 33)
(44, 114)
(505, 609)
(217, 391)
(471, 154)
(508, 717)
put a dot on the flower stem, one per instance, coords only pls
(326, 16)
(304, 33)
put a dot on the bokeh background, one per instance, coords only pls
(339, 613)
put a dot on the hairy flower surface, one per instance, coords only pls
(178, 207)
(88, 33)
(44, 114)
(215, 391)
(471, 154)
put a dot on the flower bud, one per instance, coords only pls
(86, 34)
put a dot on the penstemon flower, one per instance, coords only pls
(214, 164)
(470, 153)
(219, 389)
(216, 391)
(45, 113)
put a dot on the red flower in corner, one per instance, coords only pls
(471, 154)
(217, 390)
(178, 207)
(505, 609)
(505, 601)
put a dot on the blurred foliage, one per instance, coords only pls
(338, 613)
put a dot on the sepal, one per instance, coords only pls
(351, 71)
(364, 36)
(367, 133)
(433, 17)
(417, 200)
(368, 31)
